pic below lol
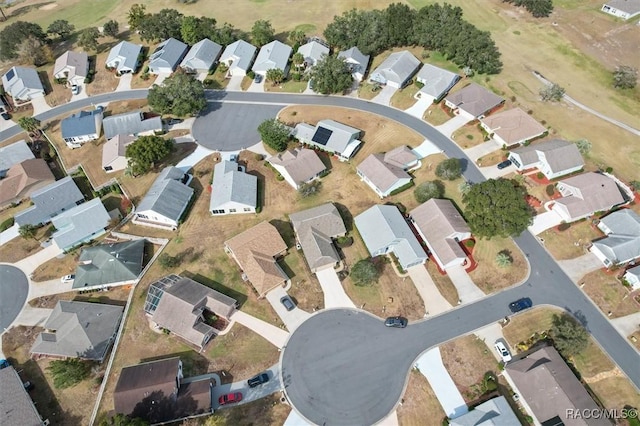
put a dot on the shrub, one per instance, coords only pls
(550, 189)
(279, 177)
(540, 175)
(6, 224)
(428, 190)
(449, 169)
(309, 189)
(364, 273)
(258, 157)
(419, 85)
(564, 226)
(470, 243)
(69, 372)
(296, 76)
(402, 188)
(167, 261)
(609, 169)
(251, 75)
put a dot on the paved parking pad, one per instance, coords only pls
(292, 319)
(273, 334)
(334, 294)
(250, 394)
(468, 291)
(434, 302)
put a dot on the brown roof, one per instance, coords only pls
(401, 157)
(590, 192)
(383, 175)
(115, 147)
(255, 250)
(440, 222)
(301, 163)
(24, 177)
(474, 99)
(550, 387)
(514, 125)
(195, 397)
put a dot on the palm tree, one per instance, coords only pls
(298, 60)
(503, 259)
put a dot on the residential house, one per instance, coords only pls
(23, 84)
(632, 277)
(622, 242)
(554, 158)
(13, 154)
(81, 127)
(358, 62)
(298, 166)
(550, 388)
(22, 179)
(396, 70)
(16, 406)
(256, 251)
(233, 191)
(442, 228)
(274, 55)
(79, 330)
(473, 101)
(136, 123)
(124, 57)
(114, 153)
(50, 201)
(403, 157)
(167, 56)
(382, 177)
(107, 265)
(80, 224)
(625, 9)
(312, 53)
(201, 57)
(585, 194)
(512, 127)
(185, 308)
(436, 82)
(331, 136)
(315, 231)
(494, 412)
(166, 200)
(384, 230)
(238, 57)
(72, 66)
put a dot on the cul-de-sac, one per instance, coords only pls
(319, 213)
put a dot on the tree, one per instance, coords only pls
(297, 37)
(449, 169)
(503, 259)
(309, 189)
(497, 207)
(331, 75)
(398, 18)
(122, 420)
(194, 29)
(465, 186)
(297, 59)
(584, 146)
(167, 23)
(60, 27)
(364, 273)
(552, 92)
(225, 35)
(167, 261)
(34, 52)
(146, 151)
(136, 15)
(27, 231)
(569, 337)
(180, 94)
(625, 77)
(89, 38)
(29, 124)
(275, 76)
(12, 35)
(538, 8)
(111, 28)
(262, 32)
(274, 134)
(428, 190)
(68, 372)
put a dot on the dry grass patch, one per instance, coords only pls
(609, 294)
(368, 91)
(570, 243)
(245, 83)
(444, 284)
(305, 288)
(488, 275)
(290, 86)
(269, 410)
(138, 82)
(114, 296)
(20, 248)
(523, 326)
(469, 136)
(55, 268)
(56, 93)
(420, 407)
(13, 211)
(403, 98)
(492, 159)
(104, 81)
(436, 115)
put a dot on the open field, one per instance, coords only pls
(420, 407)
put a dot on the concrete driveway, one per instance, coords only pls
(82, 93)
(384, 97)
(124, 82)
(493, 172)
(6, 124)
(235, 83)
(452, 125)
(257, 87)
(29, 264)
(160, 78)
(580, 266)
(426, 148)
(544, 221)
(14, 289)
(468, 291)
(31, 317)
(249, 394)
(295, 419)
(47, 288)
(9, 234)
(418, 109)
(334, 294)
(273, 334)
(490, 335)
(434, 302)
(292, 319)
(194, 158)
(40, 105)
(481, 150)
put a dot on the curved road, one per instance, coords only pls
(14, 287)
(547, 284)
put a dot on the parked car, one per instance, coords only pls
(6, 116)
(4, 364)
(230, 398)
(172, 121)
(233, 158)
(68, 278)
(258, 380)
(503, 351)
(28, 386)
(504, 164)
(396, 322)
(75, 89)
(520, 305)
(288, 303)
(257, 78)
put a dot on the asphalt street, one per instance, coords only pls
(14, 288)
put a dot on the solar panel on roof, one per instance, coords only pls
(10, 74)
(322, 135)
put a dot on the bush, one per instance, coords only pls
(258, 157)
(470, 243)
(364, 273)
(309, 189)
(550, 189)
(344, 241)
(251, 75)
(609, 170)
(540, 175)
(279, 177)
(419, 85)
(6, 224)
(564, 226)
(296, 76)
(402, 188)
(167, 261)
(428, 190)
(449, 169)
(145, 70)
(69, 372)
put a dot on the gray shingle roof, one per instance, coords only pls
(589, 192)
(109, 263)
(60, 195)
(77, 62)
(355, 56)
(559, 154)
(301, 164)
(124, 56)
(630, 6)
(16, 406)
(79, 329)
(229, 184)
(81, 222)
(201, 56)
(313, 52)
(167, 54)
(168, 196)
(131, 123)
(494, 412)
(380, 173)
(474, 99)
(13, 154)
(274, 55)
(241, 53)
(115, 148)
(513, 125)
(398, 68)
(437, 81)
(82, 123)
(623, 243)
(19, 80)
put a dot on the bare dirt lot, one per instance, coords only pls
(419, 404)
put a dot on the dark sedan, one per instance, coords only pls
(520, 305)
(396, 322)
(258, 380)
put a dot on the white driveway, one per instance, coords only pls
(292, 319)
(6, 124)
(257, 87)
(452, 125)
(468, 291)
(82, 93)
(184, 125)
(47, 288)
(235, 83)
(30, 316)
(161, 77)
(308, 90)
(431, 366)
(493, 172)
(273, 334)
(434, 302)
(544, 221)
(295, 419)
(418, 109)
(580, 266)
(125, 82)
(384, 97)
(426, 149)
(334, 294)
(40, 105)
(490, 335)
(259, 149)
(481, 150)
(390, 420)
(202, 76)
(9, 234)
(194, 158)
(29, 264)
(627, 325)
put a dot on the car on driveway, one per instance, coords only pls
(257, 78)
(4, 364)
(258, 380)
(68, 278)
(396, 322)
(75, 89)
(174, 121)
(6, 116)
(230, 398)
(503, 351)
(504, 164)
(288, 303)
(520, 305)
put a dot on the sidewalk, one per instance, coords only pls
(468, 291)
(273, 334)
(434, 303)
(334, 294)
(580, 266)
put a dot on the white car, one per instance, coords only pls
(68, 278)
(503, 351)
(75, 89)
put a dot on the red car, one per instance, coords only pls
(230, 398)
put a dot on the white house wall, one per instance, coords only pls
(239, 208)
(119, 163)
(287, 177)
(159, 220)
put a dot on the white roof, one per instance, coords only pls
(231, 185)
(241, 53)
(437, 81)
(272, 55)
(313, 51)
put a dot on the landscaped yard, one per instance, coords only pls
(104, 81)
(368, 91)
(488, 275)
(436, 114)
(572, 242)
(403, 98)
(19, 248)
(419, 403)
(288, 86)
(469, 136)
(609, 294)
